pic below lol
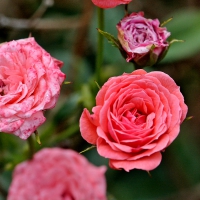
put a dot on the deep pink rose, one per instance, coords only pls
(58, 174)
(30, 82)
(143, 40)
(136, 117)
(109, 3)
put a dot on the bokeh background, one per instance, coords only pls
(67, 29)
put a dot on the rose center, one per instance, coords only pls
(142, 35)
(135, 117)
(2, 85)
(66, 194)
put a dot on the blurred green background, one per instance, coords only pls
(67, 29)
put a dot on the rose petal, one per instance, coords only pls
(87, 128)
(146, 163)
(106, 151)
(110, 3)
(30, 125)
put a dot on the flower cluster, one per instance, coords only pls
(136, 117)
(58, 174)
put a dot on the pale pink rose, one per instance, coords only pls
(143, 40)
(136, 117)
(58, 174)
(30, 82)
(109, 3)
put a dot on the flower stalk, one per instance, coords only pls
(99, 58)
(31, 147)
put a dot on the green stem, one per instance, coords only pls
(126, 10)
(3, 192)
(31, 147)
(99, 59)
(135, 66)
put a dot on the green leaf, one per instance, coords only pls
(175, 40)
(184, 26)
(37, 137)
(115, 42)
(165, 22)
(89, 148)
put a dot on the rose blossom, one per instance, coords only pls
(58, 174)
(136, 117)
(109, 3)
(30, 82)
(143, 40)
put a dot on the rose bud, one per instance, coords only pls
(143, 40)
(136, 117)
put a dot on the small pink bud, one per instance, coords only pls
(143, 40)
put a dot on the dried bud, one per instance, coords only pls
(144, 42)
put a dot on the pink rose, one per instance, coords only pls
(136, 117)
(30, 82)
(58, 174)
(109, 3)
(143, 40)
